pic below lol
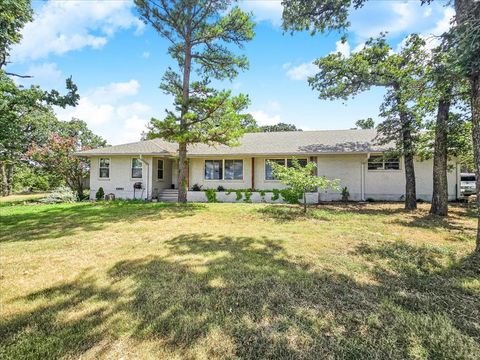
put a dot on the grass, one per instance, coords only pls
(25, 198)
(226, 281)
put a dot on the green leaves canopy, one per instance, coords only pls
(302, 179)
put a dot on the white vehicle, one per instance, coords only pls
(467, 185)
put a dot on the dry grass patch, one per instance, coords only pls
(136, 280)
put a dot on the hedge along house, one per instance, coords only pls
(351, 156)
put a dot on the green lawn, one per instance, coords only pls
(133, 280)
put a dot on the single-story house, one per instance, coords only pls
(352, 156)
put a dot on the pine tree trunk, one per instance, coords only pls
(440, 184)
(407, 142)
(182, 146)
(182, 172)
(465, 9)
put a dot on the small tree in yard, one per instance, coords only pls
(56, 156)
(302, 179)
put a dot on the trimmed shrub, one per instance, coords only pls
(196, 187)
(61, 194)
(100, 194)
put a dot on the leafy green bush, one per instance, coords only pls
(100, 194)
(62, 194)
(239, 194)
(345, 194)
(291, 196)
(211, 195)
(276, 194)
(248, 195)
(196, 187)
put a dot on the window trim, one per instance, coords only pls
(100, 167)
(131, 169)
(163, 169)
(384, 160)
(223, 170)
(285, 164)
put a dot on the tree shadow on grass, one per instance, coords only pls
(425, 280)
(241, 297)
(53, 221)
(265, 305)
(46, 332)
(287, 213)
(455, 224)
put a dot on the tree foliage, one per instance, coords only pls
(280, 127)
(201, 35)
(302, 179)
(402, 74)
(14, 14)
(367, 123)
(317, 15)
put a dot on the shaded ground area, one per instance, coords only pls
(234, 281)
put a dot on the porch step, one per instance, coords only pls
(168, 195)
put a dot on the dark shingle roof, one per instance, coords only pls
(281, 143)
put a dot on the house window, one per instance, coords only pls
(382, 163)
(288, 162)
(213, 169)
(269, 170)
(104, 168)
(302, 162)
(233, 170)
(160, 169)
(136, 168)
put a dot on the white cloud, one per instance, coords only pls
(444, 24)
(265, 10)
(146, 54)
(63, 26)
(432, 35)
(115, 91)
(46, 74)
(264, 118)
(342, 48)
(358, 47)
(274, 105)
(118, 123)
(300, 72)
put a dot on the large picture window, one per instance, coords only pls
(136, 168)
(382, 163)
(269, 169)
(233, 170)
(160, 169)
(213, 169)
(104, 168)
(288, 162)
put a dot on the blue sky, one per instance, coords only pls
(118, 62)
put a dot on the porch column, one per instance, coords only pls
(314, 160)
(253, 173)
(188, 174)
